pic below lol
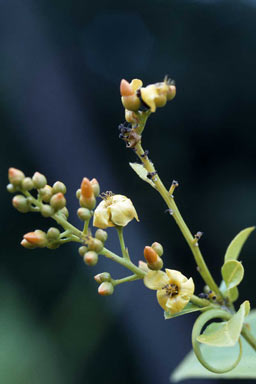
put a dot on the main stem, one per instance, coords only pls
(169, 200)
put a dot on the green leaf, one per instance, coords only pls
(221, 357)
(142, 173)
(232, 272)
(237, 243)
(188, 309)
(232, 294)
(227, 333)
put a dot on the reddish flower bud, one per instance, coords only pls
(58, 201)
(150, 255)
(86, 188)
(105, 289)
(37, 238)
(125, 88)
(15, 176)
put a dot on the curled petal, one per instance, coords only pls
(123, 212)
(176, 277)
(187, 288)
(136, 84)
(156, 280)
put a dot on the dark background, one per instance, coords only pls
(60, 67)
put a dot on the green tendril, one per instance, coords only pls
(198, 326)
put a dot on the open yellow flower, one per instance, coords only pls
(174, 290)
(114, 210)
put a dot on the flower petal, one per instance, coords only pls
(156, 280)
(122, 212)
(187, 288)
(176, 304)
(101, 217)
(176, 277)
(136, 84)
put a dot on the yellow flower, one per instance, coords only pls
(114, 210)
(174, 290)
(157, 95)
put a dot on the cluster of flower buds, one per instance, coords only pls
(153, 256)
(106, 287)
(41, 239)
(87, 198)
(51, 199)
(93, 247)
(136, 98)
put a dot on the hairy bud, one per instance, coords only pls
(58, 201)
(20, 203)
(106, 289)
(91, 258)
(84, 214)
(37, 238)
(101, 235)
(58, 186)
(27, 184)
(15, 176)
(39, 180)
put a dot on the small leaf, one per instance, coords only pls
(188, 309)
(232, 294)
(227, 333)
(221, 357)
(141, 172)
(237, 243)
(232, 272)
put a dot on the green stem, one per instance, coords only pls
(124, 262)
(169, 200)
(249, 337)
(125, 279)
(122, 243)
(200, 302)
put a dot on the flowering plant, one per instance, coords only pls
(174, 291)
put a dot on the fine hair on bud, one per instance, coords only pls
(91, 258)
(39, 180)
(47, 210)
(27, 184)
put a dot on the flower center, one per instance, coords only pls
(171, 290)
(107, 197)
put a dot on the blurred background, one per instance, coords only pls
(60, 67)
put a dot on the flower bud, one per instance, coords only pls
(101, 277)
(131, 117)
(91, 258)
(10, 188)
(86, 188)
(53, 233)
(47, 210)
(53, 245)
(20, 203)
(143, 266)
(132, 103)
(58, 186)
(37, 238)
(171, 93)
(27, 184)
(158, 264)
(125, 88)
(150, 255)
(157, 247)
(95, 245)
(39, 180)
(15, 176)
(84, 214)
(96, 187)
(64, 212)
(106, 289)
(78, 193)
(46, 193)
(27, 245)
(82, 250)
(87, 202)
(58, 201)
(101, 235)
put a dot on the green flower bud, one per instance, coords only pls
(39, 180)
(158, 248)
(27, 245)
(53, 245)
(101, 235)
(91, 258)
(59, 187)
(106, 289)
(89, 202)
(82, 250)
(96, 187)
(58, 201)
(15, 176)
(10, 188)
(95, 245)
(46, 193)
(84, 214)
(64, 211)
(27, 184)
(20, 203)
(101, 277)
(78, 193)
(158, 264)
(47, 210)
(53, 233)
